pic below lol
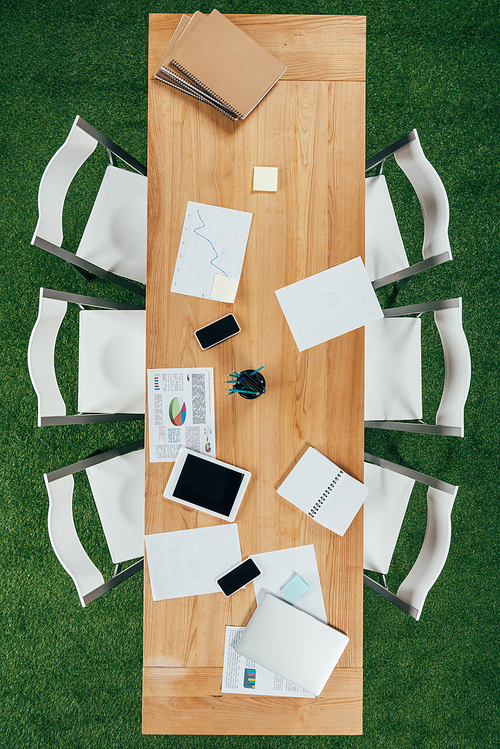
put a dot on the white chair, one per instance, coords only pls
(385, 256)
(390, 488)
(113, 244)
(112, 366)
(393, 371)
(116, 480)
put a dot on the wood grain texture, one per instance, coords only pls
(328, 48)
(187, 701)
(313, 131)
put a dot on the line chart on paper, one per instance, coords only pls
(196, 231)
(213, 242)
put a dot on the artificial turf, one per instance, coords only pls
(72, 676)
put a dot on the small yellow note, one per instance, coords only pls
(265, 178)
(224, 288)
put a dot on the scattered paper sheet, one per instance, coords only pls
(242, 676)
(278, 567)
(213, 242)
(329, 304)
(180, 412)
(187, 563)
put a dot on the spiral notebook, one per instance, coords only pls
(324, 491)
(213, 60)
(167, 73)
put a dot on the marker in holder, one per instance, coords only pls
(249, 383)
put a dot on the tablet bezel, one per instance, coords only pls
(176, 472)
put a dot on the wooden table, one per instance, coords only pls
(311, 126)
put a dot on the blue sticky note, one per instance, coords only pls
(294, 588)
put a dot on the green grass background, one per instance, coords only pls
(72, 676)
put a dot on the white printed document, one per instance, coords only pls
(278, 567)
(180, 412)
(324, 491)
(211, 252)
(242, 676)
(329, 304)
(187, 563)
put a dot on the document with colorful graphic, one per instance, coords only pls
(180, 412)
(241, 676)
(211, 252)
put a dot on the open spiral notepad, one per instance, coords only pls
(324, 491)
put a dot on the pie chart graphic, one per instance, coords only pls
(177, 412)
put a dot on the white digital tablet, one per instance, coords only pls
(207, 484)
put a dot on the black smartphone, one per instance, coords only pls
(238, 577)
(217, 331)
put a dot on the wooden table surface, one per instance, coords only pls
(311, 126)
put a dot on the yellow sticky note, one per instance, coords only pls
(224, 289)
(265, 178)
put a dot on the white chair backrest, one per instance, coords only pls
(384, 511)
(55, 182)
(432, 196)
(64, 538)
(384, 249)
(41, 349)
(457, 367)
(118, 489)
(434, 551)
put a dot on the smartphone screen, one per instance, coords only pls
(238, 577)
(217, 331)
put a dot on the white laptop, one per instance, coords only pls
(293, 644)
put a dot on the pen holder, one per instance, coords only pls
(249, 384)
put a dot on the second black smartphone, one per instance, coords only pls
(238, 577)
(217, 331)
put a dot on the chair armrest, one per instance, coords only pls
(434, 551)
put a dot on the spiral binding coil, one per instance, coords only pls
(206, 88)
(191, 92)
(316, 507)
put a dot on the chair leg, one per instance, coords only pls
(401, 284)
(87, 276)
(115, 580)
(112, 157)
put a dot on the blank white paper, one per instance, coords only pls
(278, 567)
(187, 563)
(329, 304)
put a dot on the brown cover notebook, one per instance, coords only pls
(226, 64)
(167, 73)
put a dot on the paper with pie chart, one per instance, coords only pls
(211, 252)
(180, 412)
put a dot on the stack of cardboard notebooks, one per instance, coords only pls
(211, 59)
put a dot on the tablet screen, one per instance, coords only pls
(208, 485)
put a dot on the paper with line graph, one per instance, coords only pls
(211, 252)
